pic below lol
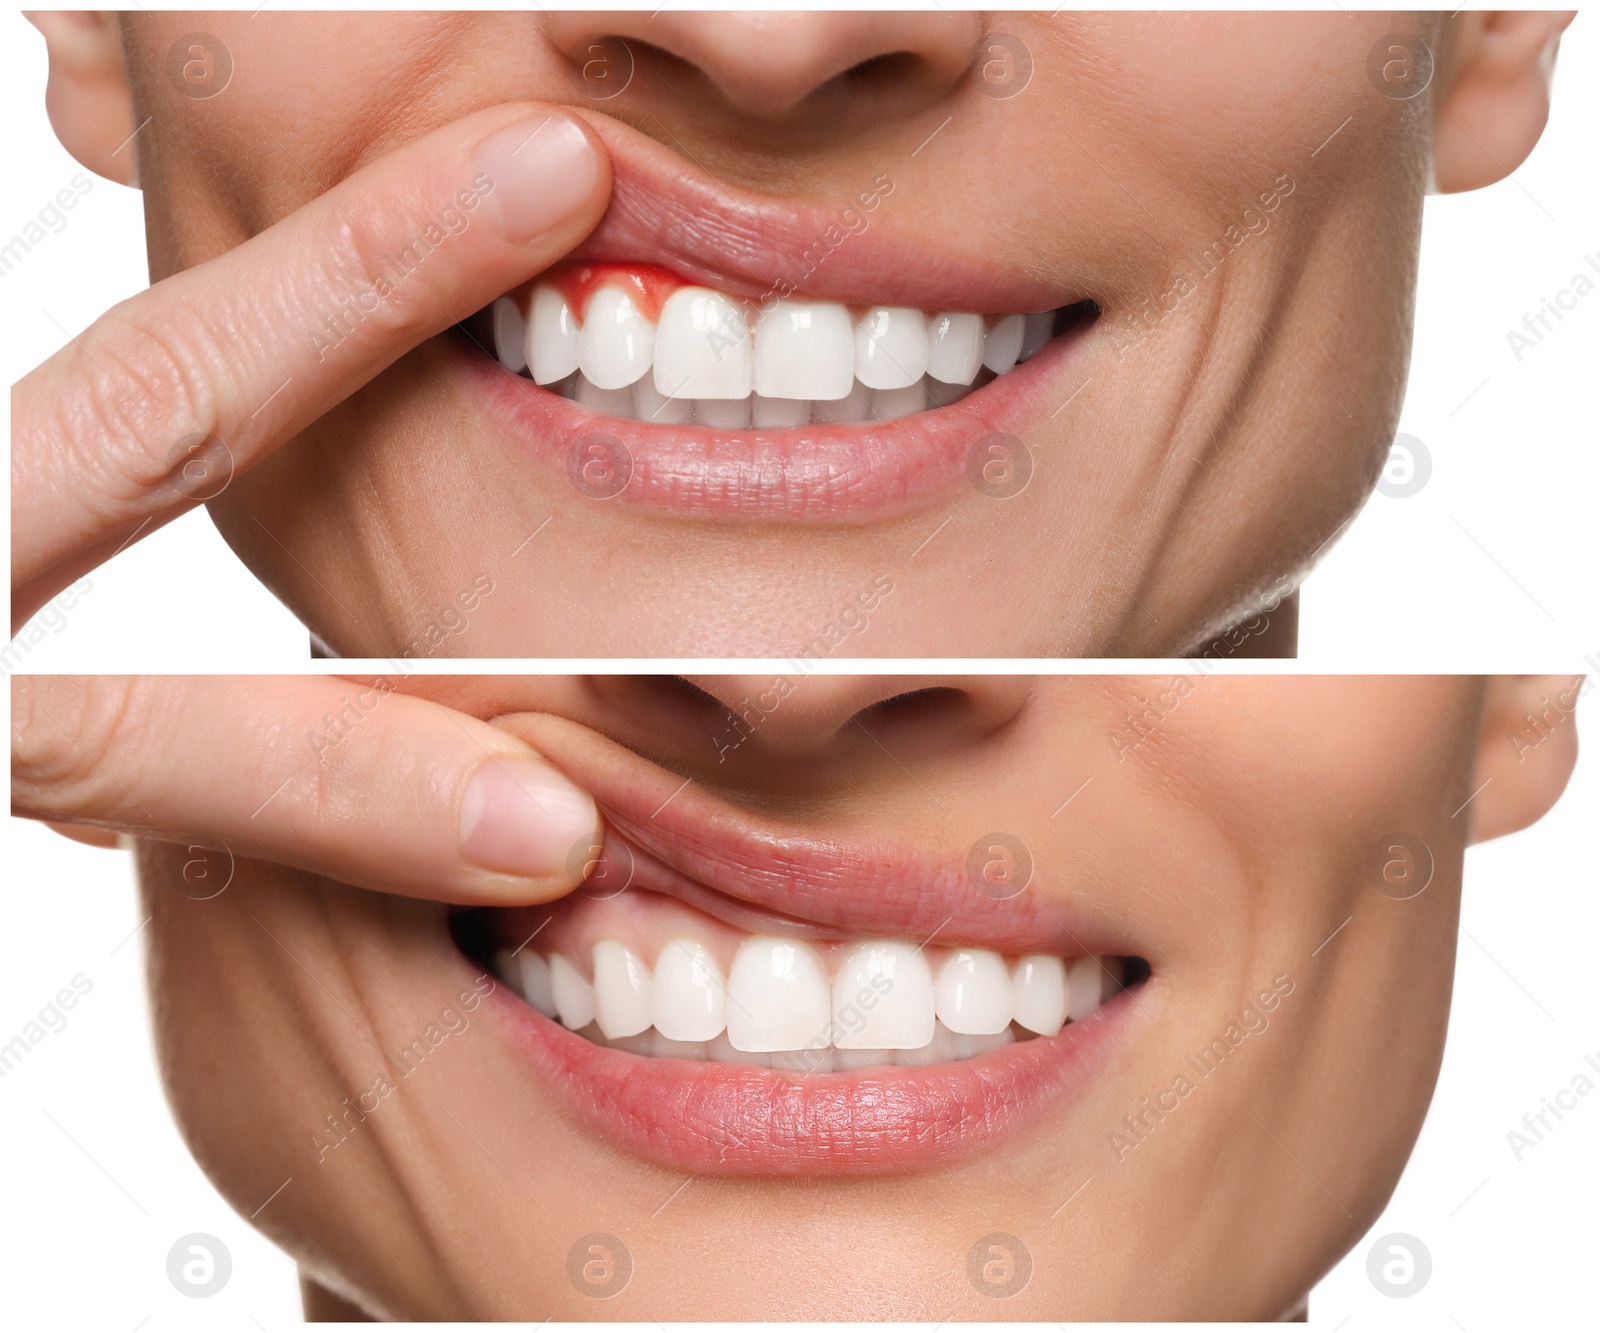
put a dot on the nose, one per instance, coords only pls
(770, 725)
(774, 67)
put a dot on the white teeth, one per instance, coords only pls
(510, 331)
(551, 348)
(891, 347)
(804, 361)
(938, 1049)
(853, 407)
(973, 994)
(1039, 991)
(703, 346)
(883, 998)
(1002, 344)
(773, 412)
(805, 349)
(722, 413)
(649, 405)
(778, 996)
(536, 987)
(1084, 980)
(612, 402)
(779, 1010)
(892, 404)
(505, 967)
(617, 343)
(621, 990)
(1036, 332)
(573, 995)
(955, 347)
(688, 999)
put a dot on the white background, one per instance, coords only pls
(87, 1220)
(1515, 1253)
(1430, 582)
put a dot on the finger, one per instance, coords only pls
(168, 395)
(350, 780)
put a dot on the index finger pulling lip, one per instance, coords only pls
(672, 835)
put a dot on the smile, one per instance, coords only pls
(727, 995)
(677, 362)
(638, 342)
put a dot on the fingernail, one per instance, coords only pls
(540, 172)
(521, 817)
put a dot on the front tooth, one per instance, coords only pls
(855, 406)
(805, 349)
(612, 402)
(778, 996)
(621, 990)
(617, 343)
(536, 987)
(688, 999)
(510, 334)
(722, 413)
(649, 405)
(551, 348)
(1113, 976)
(773, 412)
(1002, 344)
(973, 995)
(1039, 991)
(891, 347)
(892, 404)
(955, 346)
(1036, 332)
(1083, 987)
(573, 995)
(964, 1047)
(942, 395)
(937, 1050)
(703, 346)
(883, 998)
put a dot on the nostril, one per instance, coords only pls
(928, 707)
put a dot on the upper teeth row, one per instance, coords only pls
(704, 348)
(777, 997)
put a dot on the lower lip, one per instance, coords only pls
(740, 1120)
(841, 474)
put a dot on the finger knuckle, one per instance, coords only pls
(142, 394)
(68, 734)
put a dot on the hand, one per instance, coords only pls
(344, 778)
(167, 396)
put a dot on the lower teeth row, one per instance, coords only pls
(779, 1009)
(641, 402)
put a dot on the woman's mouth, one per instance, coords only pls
(713, 354)
(646, 973)
(638, 342)
(728, 996)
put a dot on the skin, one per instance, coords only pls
(1214, 450)
(1233, 841)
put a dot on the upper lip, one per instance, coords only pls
(666, 209)
(759, 873)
